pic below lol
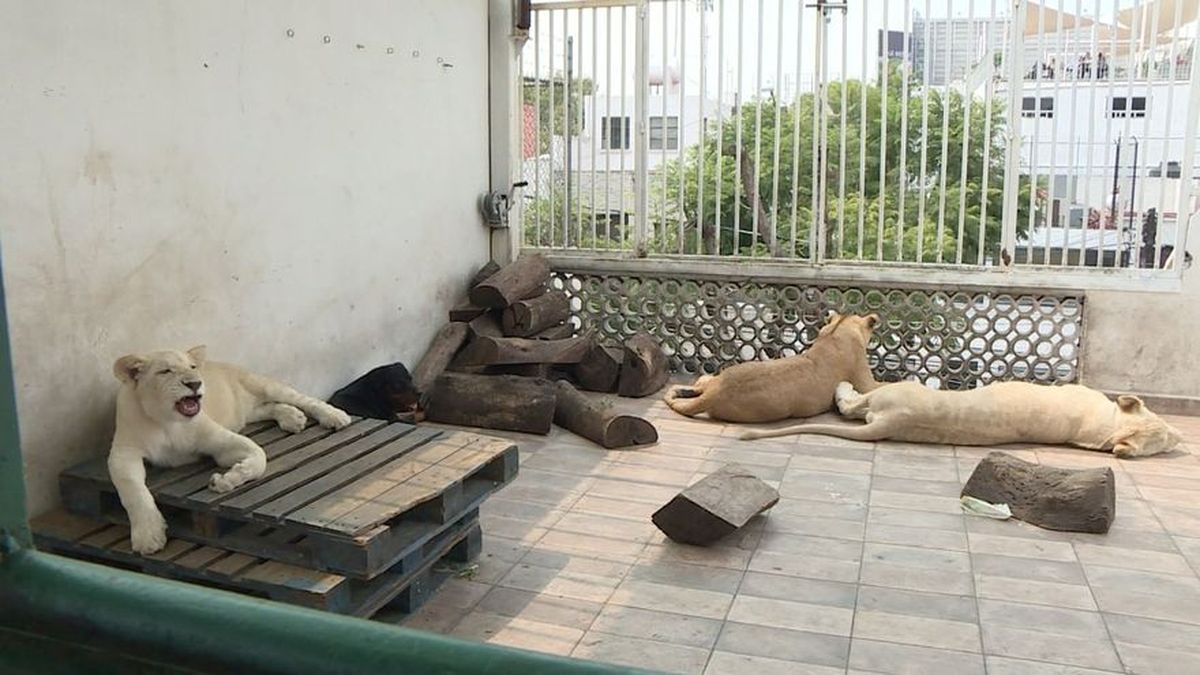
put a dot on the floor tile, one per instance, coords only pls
(917, 578)
(1050, 620)
(604, 526)
(791, 615)
(1019, 547)
(1003, 665)
(705, 578)
(677, 629)
(818, 527)
(1154, 661)
(936, 488)
(952, 540)
(667, 598)
(727, 663)
(783, 644)
(888, 657)
(814, 591)
(543, 607)
(959, 608)
(915, 502)
(911, 556)
(1027, 568)
(801, 565)
(517, 632)
(1149, 605)
(714, 556)
(1037, 645)
(1153, 633)
(916, 630)
(916, 519)
(1075, 596)
(635, 652)
(1150, 561)
(558, 582)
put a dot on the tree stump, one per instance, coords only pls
(441, 351)
(1071, 500)
(499, 351)
(504, 402)
(600, 368)
(643, 368)
(485, 325)
(489, 268)
(714, 507)
(466, 312)
(524, 278)
(597, 422)
(524, 318)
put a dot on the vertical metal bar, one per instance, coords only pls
(1089, 149)
(701, 157)
(884, 67)
(720, 149)
(1166, 141)
(595, 123)
(1039, 70)
(537, 130)
(553, 113)
(606, 130)
(1110, 75)
(641, 152)
(862, 137)
(778, 124)
(624, 127)
(816, 231)
(1188, 191)
(841, 226)
(754, 207)
(1012, 149)
(571, 125)
(796, 132)
(661, 229)
(989, 91)
(923, 178)
(968, 100)
(737, 142)
(943, 168)
(680, 124)
(821, 131)
(903, 180)
(1135, 36)
(1058, 72)
(1140, 197)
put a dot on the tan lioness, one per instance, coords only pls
(1004, 412)
(796, 386)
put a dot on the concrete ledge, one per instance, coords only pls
(1164, 404)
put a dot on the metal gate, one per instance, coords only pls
(963, 136)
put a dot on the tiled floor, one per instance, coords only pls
(865, 565)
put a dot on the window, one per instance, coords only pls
(614, 133)
(1031, 108)
(1122, 106)
(664, 136)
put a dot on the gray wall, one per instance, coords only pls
(1145, 342)
(179, 172)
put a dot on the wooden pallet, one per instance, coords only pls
(404, 587)
(351, 502)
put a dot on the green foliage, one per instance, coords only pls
(553, 118)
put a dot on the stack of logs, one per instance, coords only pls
(495, 364)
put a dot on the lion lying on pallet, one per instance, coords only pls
(796, 386)
(1004, 412)
(160, 420)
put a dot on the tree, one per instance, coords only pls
(783, 200)
(552, 121)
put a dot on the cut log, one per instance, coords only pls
(524, 278)
(1071, 500)
(541, 370)
(503, 402)
(466, 312)
(485, 325)
(489, 268)
(715, 507)
(525, 318)
(441, 351)
(595, 420)
(493, 351)
(559, 332)
(643, 368)
(600, 368)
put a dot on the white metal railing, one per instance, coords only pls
(958, 134)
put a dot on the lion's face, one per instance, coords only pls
(167, 383)
(861, 326)
(1141, 432)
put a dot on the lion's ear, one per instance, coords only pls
(198, 354)
(831, 316)
(1129, 403)
(129, 367)
(872, 320)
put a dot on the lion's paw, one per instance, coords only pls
(291, 419)
(224, 482)
(333, 418)
(149, 535)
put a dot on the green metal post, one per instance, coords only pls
(14, 523)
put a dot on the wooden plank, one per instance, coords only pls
(200, 557)
(65, 526)
(106, 537)
(199, 480)
(233, 564)
(123, 546)
(417, 489)
(330, 508)
(346, 473)
(290, 576)
(173, 549)
(271, 486)
(282, 465)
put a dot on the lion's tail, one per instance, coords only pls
(857, 432)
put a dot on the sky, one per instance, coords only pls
(789, 46)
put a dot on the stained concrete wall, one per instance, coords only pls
(1145, 342)
(292, 183)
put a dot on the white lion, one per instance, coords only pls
(160, 420)
(999, 413)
